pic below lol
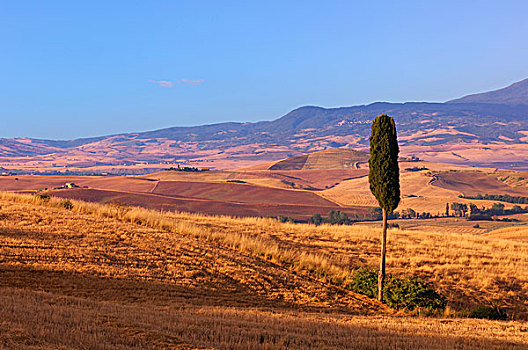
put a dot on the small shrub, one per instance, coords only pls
(45, 197)
(364, 281)
(410, 293)
(407, 293)
(488, 312)
(237, 181)
(316, 219)
(282, 218)
(67, 205)
(336, 217)
(476, 226)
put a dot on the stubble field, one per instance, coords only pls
(117, 277)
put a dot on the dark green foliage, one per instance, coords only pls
(187, 169)
(316, 219)
(237, 181)
(477, 213)
(375, 214)
(459, 209)
(282, 218)
(416, 168)
(337, 217)
(67, 204)
(488, 312)
(407, 293)
(410, 293)
(384, 174)
(394, 215)
(498, 208)
(499, 197)
(408, 213)
(364, 281)
(479, 217)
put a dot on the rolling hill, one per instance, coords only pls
(492, 126)
(516, 93)
(101, 276)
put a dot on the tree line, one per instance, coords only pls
(472, 212)
(499, 197)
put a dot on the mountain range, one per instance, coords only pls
(468, 130)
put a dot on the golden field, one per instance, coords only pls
(116, 277)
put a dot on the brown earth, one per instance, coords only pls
(261, 193)
(297, 211)
(241, 193)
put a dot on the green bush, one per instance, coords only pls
(336, 217)
(410, 293)
(282, 218)
(316, 219)
(488, 312)
(407, 293)
(364, 281)
(67, 204)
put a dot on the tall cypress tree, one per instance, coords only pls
(384, 178)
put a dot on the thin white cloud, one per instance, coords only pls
(162, 83)
(169, 84)
(191, 81)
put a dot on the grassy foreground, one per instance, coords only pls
(115, 277)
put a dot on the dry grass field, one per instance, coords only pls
(115, 277)
(516, 233)
(431, 189)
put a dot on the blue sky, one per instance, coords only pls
(71, 69)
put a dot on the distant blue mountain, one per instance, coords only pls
(496, 116)
(516, 93)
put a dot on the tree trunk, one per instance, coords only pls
(381, 275)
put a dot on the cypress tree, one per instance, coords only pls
(384, 178)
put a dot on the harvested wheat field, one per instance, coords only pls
(192, 193)
(426, 191)
(114, 277)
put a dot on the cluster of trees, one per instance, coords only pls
(499, 197)
(416, 168)
(472, 212)
(282, 218)
(409, 213)
(469, 211)
(188, 169)
(335, 217)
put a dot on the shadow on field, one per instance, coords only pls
(44, 309)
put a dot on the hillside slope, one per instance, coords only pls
(94, 277)
(516, 93)
(334, 158)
